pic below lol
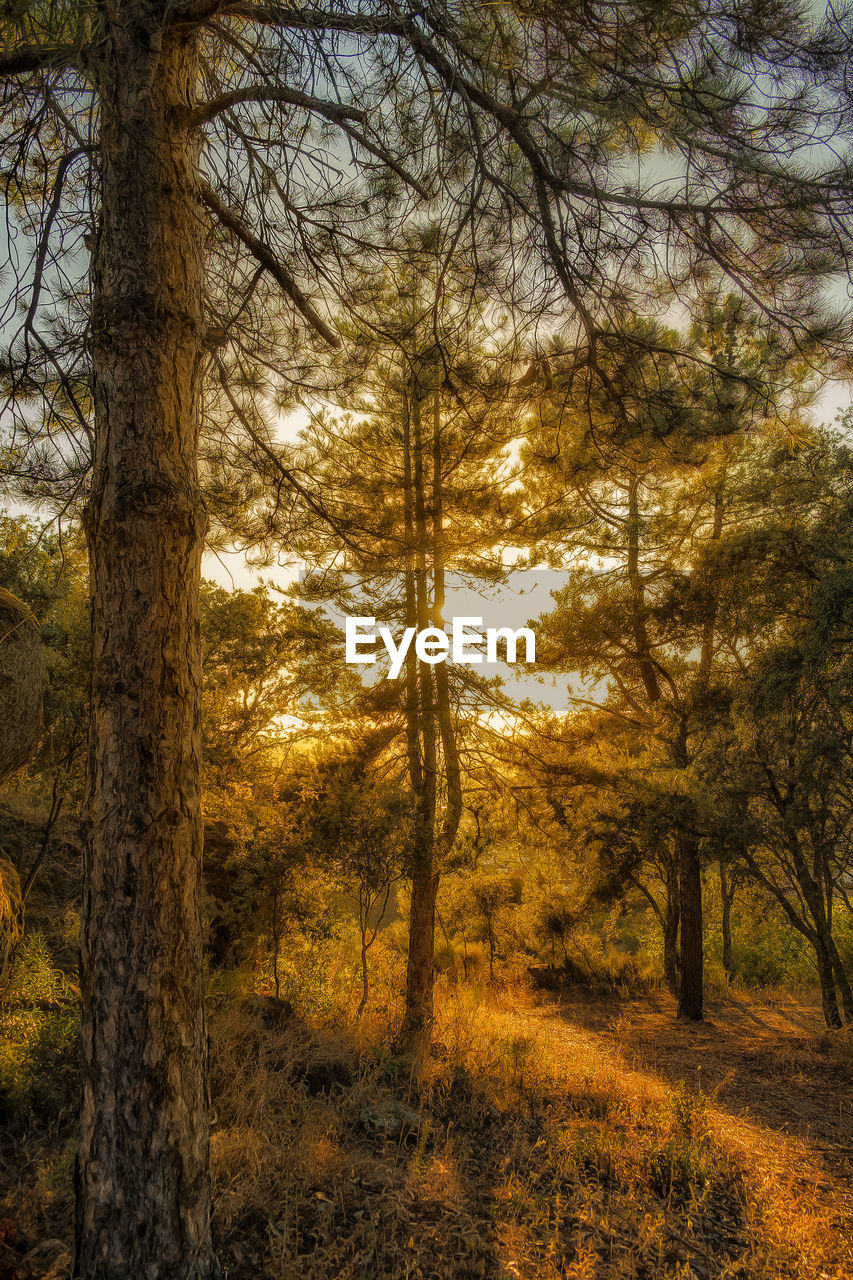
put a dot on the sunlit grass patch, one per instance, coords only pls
(524, 1146)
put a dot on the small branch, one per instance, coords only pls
(334, 111)
(381, 154)
(265, 256)
(285, 472)
(44, 241)
(57, 798)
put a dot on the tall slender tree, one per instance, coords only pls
(411, 490)
(779, 756)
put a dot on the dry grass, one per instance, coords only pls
(539, 1140)
(538, 1147)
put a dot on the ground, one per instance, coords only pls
(590, 1137)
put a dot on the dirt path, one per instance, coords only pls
(769, 1059)
(779, 1091)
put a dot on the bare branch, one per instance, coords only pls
(207, 111)
(393, 165)
(267, 259)
(286, 473)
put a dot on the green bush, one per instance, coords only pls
(39, 1031)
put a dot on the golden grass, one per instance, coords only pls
(590, 1140)
(542, 1152)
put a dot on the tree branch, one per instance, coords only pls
(27, 58)
(334, 111)
(267, 259)
(206, 111)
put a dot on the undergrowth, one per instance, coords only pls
(520, 1147)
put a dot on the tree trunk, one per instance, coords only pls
(428, 698)
(417, 1018)
(841, 977)
(670, 929)
(444, 711)
(817, 932)
(691, 991)
(831, 1016)
(365, 979)
(690, 882)
(647, 669)
(830, 968)
(143, 1185)
(726, 899)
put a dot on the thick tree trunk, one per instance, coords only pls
(143, 1187)
(417, 1020)
(690, 996)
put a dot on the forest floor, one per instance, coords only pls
(588, 1137)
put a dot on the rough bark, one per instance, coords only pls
(417, 1019)
(143, 1188)
(690, 997)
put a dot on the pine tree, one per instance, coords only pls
(649, 493)
(186, 175)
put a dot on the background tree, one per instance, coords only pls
(362, 825)
(416, 488)
(649, 491)
(185, 148)
(47, 569)
(781, 753)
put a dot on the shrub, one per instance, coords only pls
(39, 1027)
